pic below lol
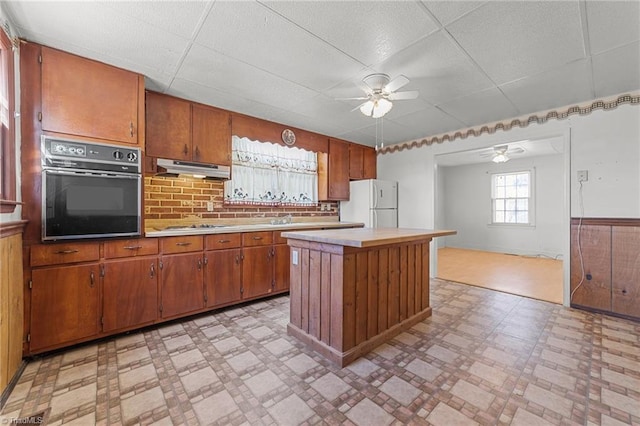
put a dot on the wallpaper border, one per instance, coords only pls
(537, 119)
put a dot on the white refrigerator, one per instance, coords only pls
(372, 202)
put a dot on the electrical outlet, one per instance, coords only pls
(583, 175)
(209, 206)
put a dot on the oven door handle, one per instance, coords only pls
(108, 175)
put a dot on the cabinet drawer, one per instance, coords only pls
(250, 239)
(181, 244)
(64, 253)
(223, 241)
(130, 248)
(277, 238)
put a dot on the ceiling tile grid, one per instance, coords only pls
(472, 62)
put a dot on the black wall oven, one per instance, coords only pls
(89, 190)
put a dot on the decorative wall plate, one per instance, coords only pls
(288, 137)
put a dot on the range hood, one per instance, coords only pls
(190, 168)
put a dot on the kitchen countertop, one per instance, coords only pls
(254, 227)
(366, 237)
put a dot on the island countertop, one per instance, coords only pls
(366, 237)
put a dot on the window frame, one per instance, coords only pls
(7, 138)
(530, 203)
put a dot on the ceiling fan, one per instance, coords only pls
(380, 90)
(499, 153)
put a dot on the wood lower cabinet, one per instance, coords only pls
(182, 288)
(257, 271)
(130, 293)
(65, 305)
(87, 98)
(608, 250)
(281, 274)
(223, 277)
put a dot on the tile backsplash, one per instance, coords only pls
(185, 198)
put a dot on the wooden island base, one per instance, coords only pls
(358, 288)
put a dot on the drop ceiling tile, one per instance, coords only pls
(437, 69)
(109, 37)
(448, 11)
(480, 108)
(513, 39)
(391, 133)
(369, 31)
(429, 122)
(566, 85)
(212, 69)
(326, 110)
(612, 24)
(256, 35)
(617, 71)
(177, 17)
(358, 137)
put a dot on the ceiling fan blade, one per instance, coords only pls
(361, 98)
(358, 107)
(396, 83)
(398, 96)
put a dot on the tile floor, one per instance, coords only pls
(483, 358)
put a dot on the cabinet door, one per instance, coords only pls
(282, 267)
(182, 287)
(211, 135)
(370, 163)
(88, 98)
(626, 270)
(168, 127)
(130, 295)
(257, 271)
(356, 161)
(338, 170)
(595, 246)
(64, 305)
(222, 276)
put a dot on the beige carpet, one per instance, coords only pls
(538, 278)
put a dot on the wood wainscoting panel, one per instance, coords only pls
(625, 270)
(11, 307)
(592, 251)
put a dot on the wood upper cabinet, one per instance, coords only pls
(168, 127)
(130, 293)
(65, 305)
(86, 98)
(338, 170)
(181, 130)
(182, 284)
(370, 163)
(362, 162)
(625, 291)
(211, 135)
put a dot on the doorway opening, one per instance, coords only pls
(507, 203)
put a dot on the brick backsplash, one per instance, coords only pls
(185, 198)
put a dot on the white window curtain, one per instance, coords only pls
(269, 174)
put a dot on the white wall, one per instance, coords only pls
(16, 215)
(465, 195)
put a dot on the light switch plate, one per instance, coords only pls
(294, 257)
(209, 206)
(583, 175)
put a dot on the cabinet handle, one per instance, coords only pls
(131, 128)
(132, 247)
(93, 279)
(197, 152)
(206, 260)
(237, 259)
(199, 264)
(152, 270)
(66, 251)
(257, 238)
(183, 244)
(185, 150)
(224, 241)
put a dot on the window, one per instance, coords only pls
(7, 139)
(511, 198)
(268, 174)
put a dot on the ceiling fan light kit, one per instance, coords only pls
(500, 155)
(380, 91)
(376, 108)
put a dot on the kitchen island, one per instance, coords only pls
(353, 289)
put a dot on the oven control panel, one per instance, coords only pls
(66, 153)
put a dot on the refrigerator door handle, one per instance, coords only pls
(374, 193)
(374, 223)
